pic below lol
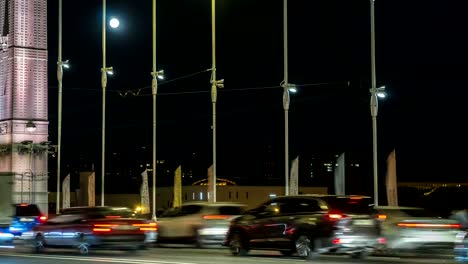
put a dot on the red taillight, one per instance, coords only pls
(381, 216)
(429, 225)
(105, 225)
(336, 241)
(382, 240)
(42, 218)
(102, 229)
(335, 216)
(214, 217)
(113, 216)
(147, 227)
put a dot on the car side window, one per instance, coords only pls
(190, 209)
(66, 219)
(268, 209)
(306, 206)
(171, 212)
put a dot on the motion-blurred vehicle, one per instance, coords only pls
(26, 217)
(461, 246)
(358, 236)
(306, 225)
(91, 227)
(411, 229)
(6, 239)
(201, 223)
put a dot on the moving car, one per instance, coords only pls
(88, 227)
(412, 229)
(461, 246)
(305, 225)
(358, 236)
(202, 223)
(26, 216)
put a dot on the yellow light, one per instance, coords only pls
(138, 209)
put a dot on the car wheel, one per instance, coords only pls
(359, 255)
(38, 244)
(84, 248)
(237, 245)
(198, 240)
(287, 253)
(305, 247)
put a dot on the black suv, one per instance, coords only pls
(302, 224)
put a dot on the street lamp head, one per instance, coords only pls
(160, 74)
(220, 83)
(66, 64)
(110, 70)
(292, 88)
(114, 22)
(381, 94)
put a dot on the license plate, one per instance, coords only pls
(363, 222)
(124, 227)
(26, 219)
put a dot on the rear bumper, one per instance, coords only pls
(212, 235)
(344, 245)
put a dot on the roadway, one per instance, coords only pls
(187, 255)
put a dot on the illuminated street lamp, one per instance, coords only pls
(374, 104)
(114, 23)
(215, 84)
(286, 99)
(156, 75)
(60, 65)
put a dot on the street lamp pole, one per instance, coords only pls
(154, 86)
(59, 78)
(103, 84)
(286, 98)
(215, 84)
(374, 105)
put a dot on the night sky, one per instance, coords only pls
(421, 57)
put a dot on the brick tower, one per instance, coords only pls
(24, 145)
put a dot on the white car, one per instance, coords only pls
(199, 223)
(415, 229)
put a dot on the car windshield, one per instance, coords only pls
(27, 210)
(231, 210)
(96, 212)
(62, 219)
(408, 212)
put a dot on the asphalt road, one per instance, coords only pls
(185, 255)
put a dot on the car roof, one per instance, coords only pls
(398, 208)
(202, 203)
(93, 208)
(321, 196)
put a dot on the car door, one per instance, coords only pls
(52, 231)
(288, 216)
(167, 223)
(73, 229)
(264, 226)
